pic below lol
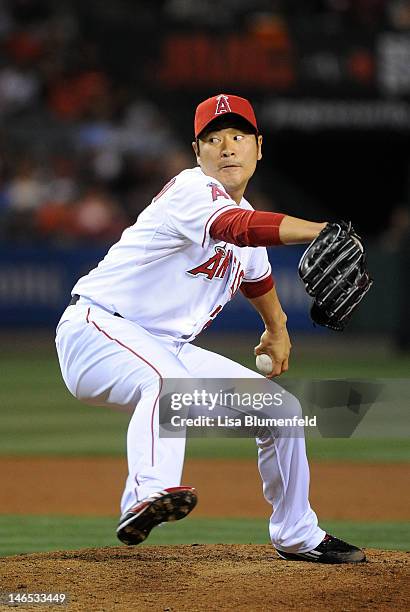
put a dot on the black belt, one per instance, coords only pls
(75, 299)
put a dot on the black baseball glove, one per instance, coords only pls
(333, 270)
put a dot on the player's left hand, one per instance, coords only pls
(277, 345)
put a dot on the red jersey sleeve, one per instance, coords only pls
(247, 228)
(257, 288)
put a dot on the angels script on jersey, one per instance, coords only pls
(217, 266)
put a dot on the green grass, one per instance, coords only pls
(351, 449)
(38, 416)
(26, 534)
(345, 367)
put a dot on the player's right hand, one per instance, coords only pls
(277, 345)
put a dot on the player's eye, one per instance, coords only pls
(213, 139)
(239, 137)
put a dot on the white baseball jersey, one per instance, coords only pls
(168, 278)
(166, 272)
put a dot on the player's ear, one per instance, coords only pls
(195, 147)
(259, 144)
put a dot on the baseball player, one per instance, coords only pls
(131, 321)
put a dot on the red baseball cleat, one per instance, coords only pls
(170, 504)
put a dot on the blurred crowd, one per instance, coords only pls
(82, 150)
(80, 156)
(329, 14)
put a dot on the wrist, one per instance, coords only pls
(312, 230)
(320, 227)
(277, 324)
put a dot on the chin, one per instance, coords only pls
(232, 185)
(230, 181)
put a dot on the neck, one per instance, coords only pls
(236, 195)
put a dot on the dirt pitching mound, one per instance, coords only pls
(207, 577)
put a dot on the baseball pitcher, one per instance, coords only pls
(131, 322)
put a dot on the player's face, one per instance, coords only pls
(229, 155)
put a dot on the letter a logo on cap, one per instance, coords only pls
(222, 105)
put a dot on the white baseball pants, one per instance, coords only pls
(107, 360)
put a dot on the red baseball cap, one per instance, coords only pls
(214, 107)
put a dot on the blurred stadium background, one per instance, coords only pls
(96, 111)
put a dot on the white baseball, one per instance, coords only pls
(264, 364)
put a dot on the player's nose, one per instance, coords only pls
(227, 147)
